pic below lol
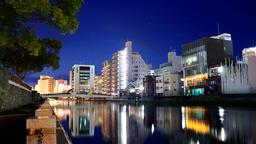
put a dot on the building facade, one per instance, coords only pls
(200, 55)
(149, 83)
(114, 74)
(48, 85)
(172, 84)
(248, 52)
(168, 77)
(61, 86)
(106, 78)
(159, 85)
(173, 65)
(45, 85)
(98, 85)
(126, 67)
(82, 78)
(252, 72)
(249, 57)
(139, 69)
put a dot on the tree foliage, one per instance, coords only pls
(21, 49)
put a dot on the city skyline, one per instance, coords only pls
(128, 71)
(171, 24)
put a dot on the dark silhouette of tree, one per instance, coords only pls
(21, 49)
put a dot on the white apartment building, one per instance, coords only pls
(130, 67)
(168, 81)
(139, 69)
(124, 59)
(127, 67)
(82, 78)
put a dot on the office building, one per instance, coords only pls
(199, 56)
(82, 78)
(248, 52)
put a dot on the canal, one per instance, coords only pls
(109, 122)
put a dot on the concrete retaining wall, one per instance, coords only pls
(13, 92)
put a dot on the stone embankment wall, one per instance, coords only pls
(14, 92)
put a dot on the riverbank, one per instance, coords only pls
(13, 124)
(240, 99)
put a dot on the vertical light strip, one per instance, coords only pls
(123, 125)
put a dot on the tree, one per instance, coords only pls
(21, 49)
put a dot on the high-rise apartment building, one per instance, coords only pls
(98, 85)
(139, 69)
(200, 55)
(106, 78)
(114, 72)
(82, 78)
(126, 67)
(248, 52)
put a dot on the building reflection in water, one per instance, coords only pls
(134, 124)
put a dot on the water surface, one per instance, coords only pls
(94, 122)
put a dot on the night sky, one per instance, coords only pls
(154, 26)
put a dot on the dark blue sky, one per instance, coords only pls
(154, 26)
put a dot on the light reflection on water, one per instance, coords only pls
(94, 122)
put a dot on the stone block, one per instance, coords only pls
(44, 130)
(41, 122)
(46, 139)
(44, 112)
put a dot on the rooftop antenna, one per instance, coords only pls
(218, 28)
